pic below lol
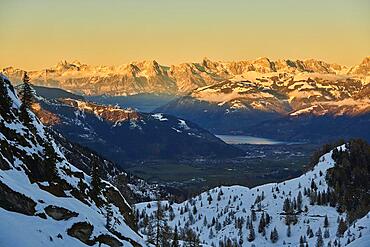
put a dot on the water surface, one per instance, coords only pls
(241, 139)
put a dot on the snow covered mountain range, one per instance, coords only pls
(314, 109)
(319, 103)
(125, 134)
(151, 77)
(46, 196)
(236, 97)
(297, 212)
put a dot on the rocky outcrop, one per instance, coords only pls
(59, 213)
(15, 201)
(82, 231)
(113, 196)
(363, 68)
(108, 240)
(46, 117)
(109, 113)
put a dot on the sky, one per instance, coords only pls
(36, 34)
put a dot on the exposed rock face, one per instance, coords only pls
(363, 68)
(46, 117)
(151, 77)
(108, 240)
(113, 196)
(16, 202)
(283, 106)
(124, 134)
(59, 213)
(82, 231)
(109, 113)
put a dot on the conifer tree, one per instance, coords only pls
(27, 99)
(150, 233)
(342, 227)
(319, 240)
(326, 233)
(175, 241)
(241, 241)
(252, 234)
(191, 238)
(165, 235)
(301, 242)
(194, 210)
(81, 186)
(267, 219)
(262, 224)
(211, 234)
(209, 199)
(299, 201)
(313, 185)
(5, 101)
(274, 237)
(159, 223)
(95, 180)
(253, 215)
(50, 161)
(326, 221)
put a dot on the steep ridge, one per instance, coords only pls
(243, 105)
(46, 196)
(131, 187)
(102, 128)
(305, 211)
(151, 77)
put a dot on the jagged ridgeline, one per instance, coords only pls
(53, 202)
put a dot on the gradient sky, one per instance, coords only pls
(39, 33)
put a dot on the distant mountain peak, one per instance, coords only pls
(148, 76)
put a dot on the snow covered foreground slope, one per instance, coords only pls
(36, 210)
(223, 216)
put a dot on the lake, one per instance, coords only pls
(240, 139)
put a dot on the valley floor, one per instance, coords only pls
(261, 164)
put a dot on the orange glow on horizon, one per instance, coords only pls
(37, 34)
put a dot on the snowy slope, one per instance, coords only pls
(237, 202)
(103, 127)
(151, 77)
(48, 212)
(363, 226)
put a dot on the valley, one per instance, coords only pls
(252, 160)
(261, 164)
(84, 122)
(140, 102)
